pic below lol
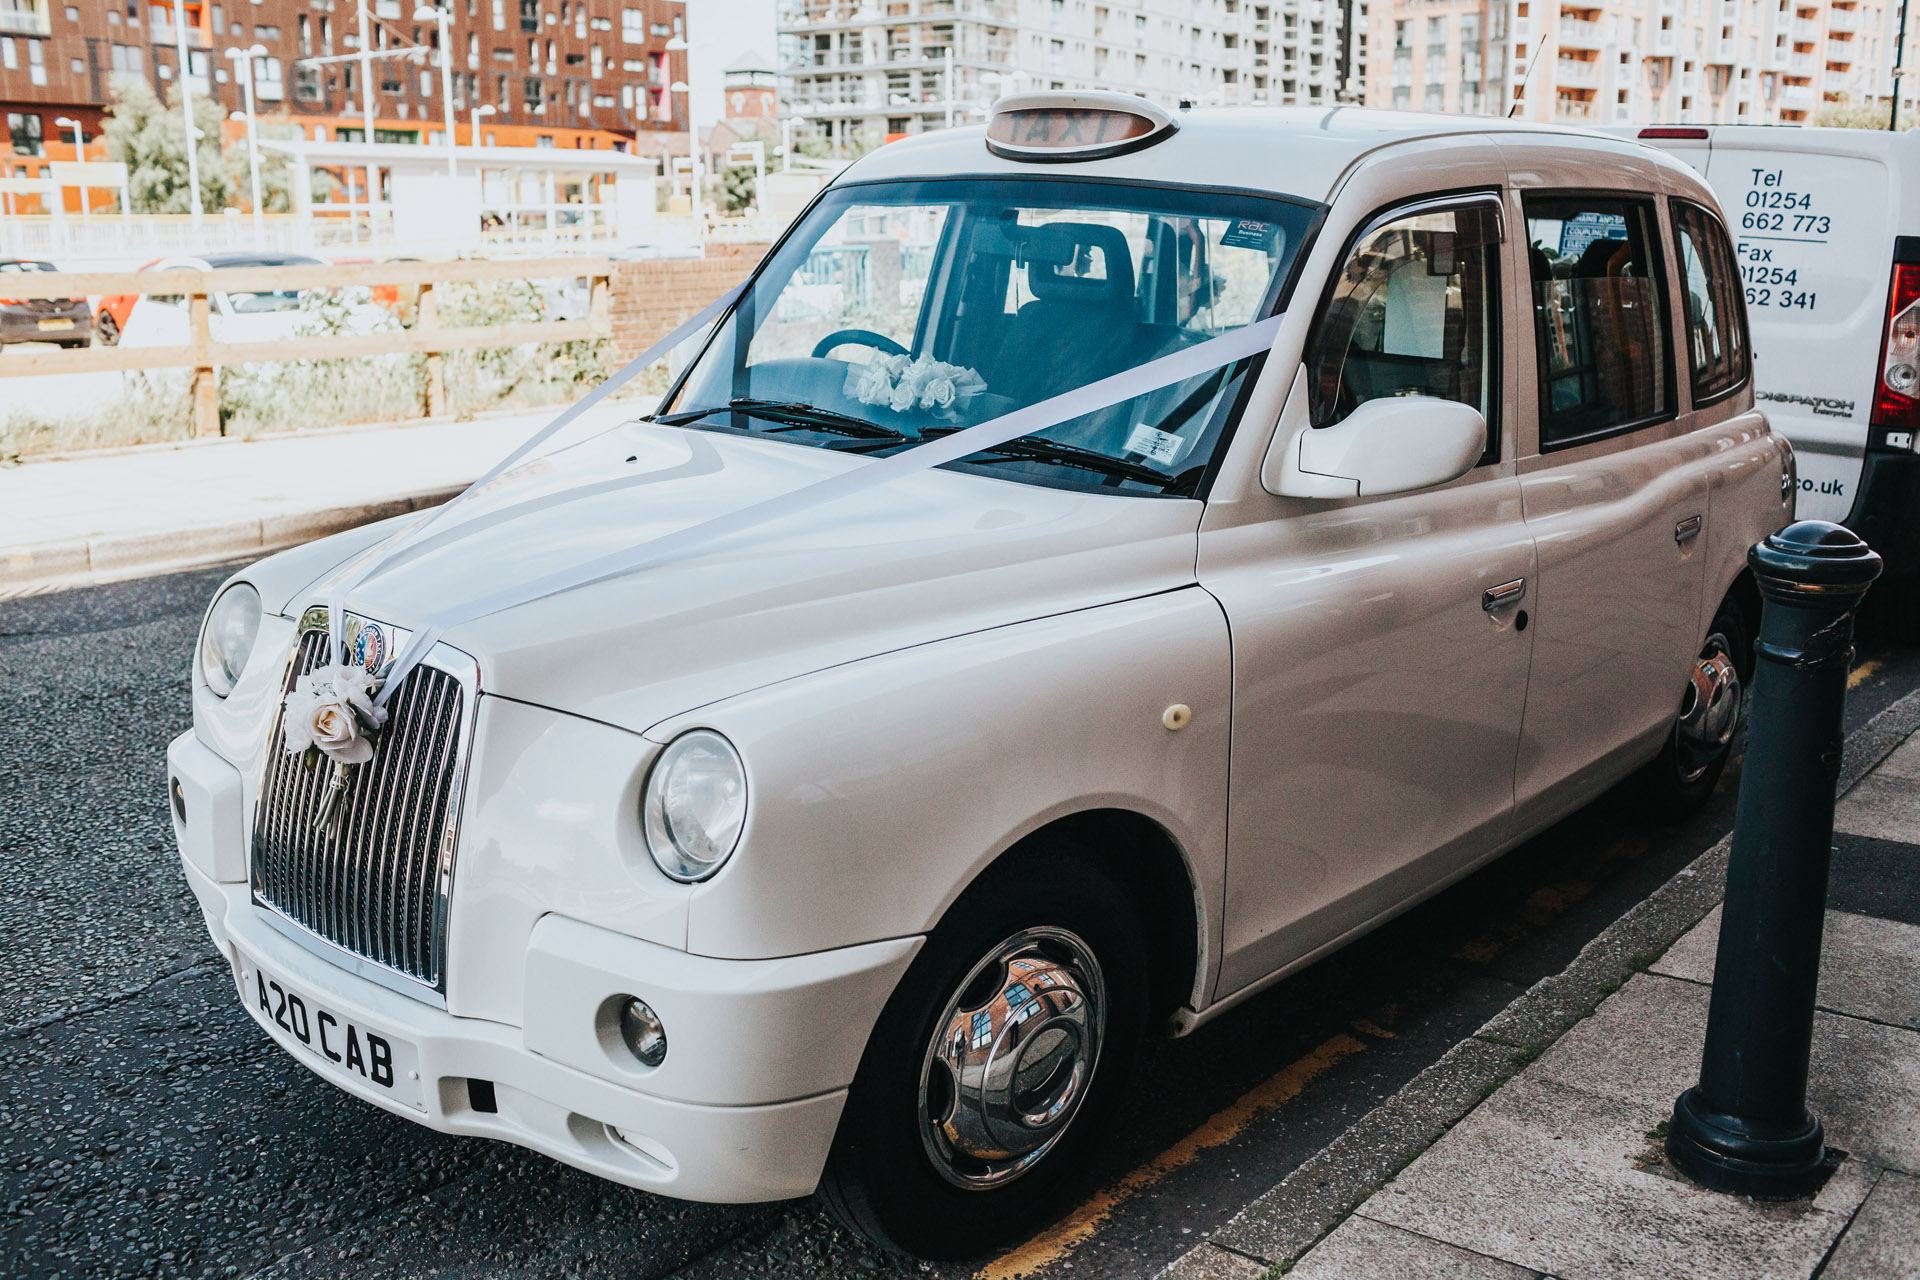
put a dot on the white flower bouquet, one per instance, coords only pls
(331, 712)
(903, 383)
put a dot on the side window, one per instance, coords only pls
(1416, 311)
(1716, 321)
(1599, 316)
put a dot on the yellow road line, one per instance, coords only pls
(1056, 1242)
(1861, 672)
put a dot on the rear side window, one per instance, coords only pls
(1600, 318)
(1415, 311)
(1716, 320)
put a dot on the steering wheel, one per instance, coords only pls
(865, 337)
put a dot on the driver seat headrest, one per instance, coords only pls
(1080, 262)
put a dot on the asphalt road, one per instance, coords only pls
(148, 1128)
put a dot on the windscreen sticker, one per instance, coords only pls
(1581, 230)
(1158, 446)
(1245, 233)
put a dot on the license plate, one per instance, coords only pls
(56, 324)
(342, 1046)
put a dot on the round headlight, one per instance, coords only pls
(227, 637)
(695, 805)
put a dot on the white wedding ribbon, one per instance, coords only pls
(371, 561)
(1202, 358)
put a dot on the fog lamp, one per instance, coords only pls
(645, 1035)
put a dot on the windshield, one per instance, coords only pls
(905, 310)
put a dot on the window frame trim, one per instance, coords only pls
(1493, 197)
(1665, 309)
(1695, 400)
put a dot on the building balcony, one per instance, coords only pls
(24, 22)
(1797, 95)
(1573, 72)
(1665, 42)
(1576, 33)
(1801, 64)
(1843, 20)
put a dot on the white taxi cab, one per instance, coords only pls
(858, 852)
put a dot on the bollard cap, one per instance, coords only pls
(1814, 558)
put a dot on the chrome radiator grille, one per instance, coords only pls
(376, 884)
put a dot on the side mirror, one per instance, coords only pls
(1393, 445)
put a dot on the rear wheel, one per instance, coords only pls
(1711, 707)
(107, 328)
(995, 1065)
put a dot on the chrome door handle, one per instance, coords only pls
(1686, 531)
(1503, 595)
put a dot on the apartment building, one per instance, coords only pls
(589, 74)
(1634, 62)
(858, 72)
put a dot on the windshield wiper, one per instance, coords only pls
(1066, 455)
(795, 414)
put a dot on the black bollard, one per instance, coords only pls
(1745, 1127)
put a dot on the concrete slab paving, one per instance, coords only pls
(1570, 1183)
(1869, 968)
(1883, 1242)
(1317, 1195)
(1643, 1046)
(1363, 1247)
(1883, 807)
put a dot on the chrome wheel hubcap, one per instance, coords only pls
(1709, 709)
(1011, 1057)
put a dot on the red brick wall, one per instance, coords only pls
(649, 298)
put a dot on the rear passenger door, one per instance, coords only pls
(1612, 493)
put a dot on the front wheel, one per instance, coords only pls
(1711, 706)
(993, 1067)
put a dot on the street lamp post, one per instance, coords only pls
(242, 60)
(444, 17)
(679, 45)
(473, 121)
(80, 157)
(186, 109)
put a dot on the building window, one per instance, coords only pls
(306, 83)
(36, 67)
(24, 129)
(534, 93)
(499, 15)
(529, 15)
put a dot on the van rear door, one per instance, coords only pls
(1813, 213)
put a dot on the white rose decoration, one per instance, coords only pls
(331, 710)
(938, 393)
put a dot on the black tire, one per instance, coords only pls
(882, 1179)
(1681, 780)
(106, 329)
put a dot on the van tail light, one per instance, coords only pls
(1698, 135)
(1896, 396)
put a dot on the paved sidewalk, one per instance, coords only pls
(132, 512)
(1546, 1128)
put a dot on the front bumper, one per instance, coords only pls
(743, 1110)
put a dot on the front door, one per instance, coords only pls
(1379, 646)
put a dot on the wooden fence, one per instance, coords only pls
(203, 355)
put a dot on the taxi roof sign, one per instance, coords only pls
(1085, 125)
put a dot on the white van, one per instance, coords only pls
(1827, 228)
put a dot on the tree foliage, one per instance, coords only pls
(1861, 115)
(151, 140)
(736, 187)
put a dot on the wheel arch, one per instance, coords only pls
(1153, 870)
